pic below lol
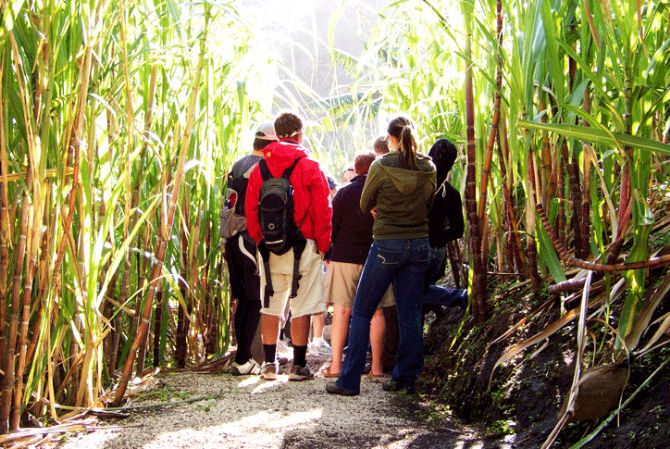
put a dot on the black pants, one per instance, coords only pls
(240, 252)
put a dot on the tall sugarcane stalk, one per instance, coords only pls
(9, 361)
(167, 218)
(477, 283)
(493, 134)
(33, 203)
(4, 226)
(74, 151)
(516, 254)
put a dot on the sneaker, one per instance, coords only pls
(333, 388)
(269, 370)
(300, 373)
(320, 348)
(250, 367)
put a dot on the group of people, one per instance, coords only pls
(382, 239)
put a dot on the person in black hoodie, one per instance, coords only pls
(351, 237)
(445, 224)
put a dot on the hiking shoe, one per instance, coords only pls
(333, 388)
(320, 348)
(394, 385)
(300, 373)
(250, 367)
(269, 370)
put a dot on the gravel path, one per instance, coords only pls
(247, 412)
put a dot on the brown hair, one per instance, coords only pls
(363, 161)
(259, 144)
(402, 129)
(381, 145)
(288, 124)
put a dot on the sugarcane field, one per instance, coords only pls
(344, 224)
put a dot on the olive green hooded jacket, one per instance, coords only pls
(401, 197)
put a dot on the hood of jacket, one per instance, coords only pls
(282, 154)
(443, 153)
(403, 179)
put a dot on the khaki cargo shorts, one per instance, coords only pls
(309, 300)
(341, 283)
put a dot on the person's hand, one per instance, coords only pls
(322, 254)
(374, 213)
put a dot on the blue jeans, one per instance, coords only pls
(436, 295)
(403, 262)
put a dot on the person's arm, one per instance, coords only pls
(371, 188)
(251, 205)
(454, 220)
(321, 212)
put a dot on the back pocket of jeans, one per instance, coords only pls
(388, 256)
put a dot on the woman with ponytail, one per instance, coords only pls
(398, 192)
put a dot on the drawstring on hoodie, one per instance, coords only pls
(442, 190)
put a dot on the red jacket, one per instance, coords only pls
(311, 210)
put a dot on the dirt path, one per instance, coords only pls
(246, 412)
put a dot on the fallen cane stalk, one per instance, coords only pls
(574, 389)
(16, 436)
(135, 408)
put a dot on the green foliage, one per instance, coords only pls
(502, 427)
(101, 91)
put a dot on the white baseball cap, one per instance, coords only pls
(266, 131)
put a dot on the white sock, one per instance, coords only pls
(317, 341)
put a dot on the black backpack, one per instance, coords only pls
(278, 228)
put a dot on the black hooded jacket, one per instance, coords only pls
(445, 220)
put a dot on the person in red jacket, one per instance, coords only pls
(312, 214)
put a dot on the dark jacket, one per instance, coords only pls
(238, 179)
(445, 220)
(402, 197)
(352, 229)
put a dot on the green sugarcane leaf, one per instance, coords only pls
(553, 59)
(547, 254)
(643, 220)
(598, 136)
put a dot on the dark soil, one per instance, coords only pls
(524, 398)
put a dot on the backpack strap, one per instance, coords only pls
(265, 171)
(289, 171)
(298, 249)
(269, 290)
